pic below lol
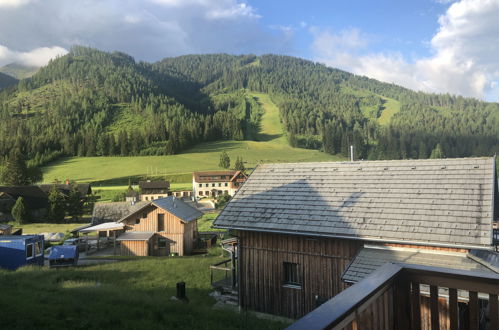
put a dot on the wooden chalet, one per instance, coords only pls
(35, 199)
(307, 232)
(5, 229)
(158, 228)
(151, 190)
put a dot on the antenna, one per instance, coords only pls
(351, 154)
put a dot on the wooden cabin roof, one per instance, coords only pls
(83, 188)
(109, 212)
(445, 202)
(370, 259)
(178, 208)
(33, 196)
(214, 176)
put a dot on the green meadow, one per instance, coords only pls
(111, 171)
(131, 294)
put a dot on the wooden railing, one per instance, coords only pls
(399, 296)
(230, 277)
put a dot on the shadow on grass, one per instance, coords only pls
(131, 295)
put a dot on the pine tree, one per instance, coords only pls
(224, 160)
(20, 211)
(15, 172)
(74, 203)
(57, 205)
(239, 164)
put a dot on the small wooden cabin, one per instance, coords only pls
(308, 231)
(160, 227)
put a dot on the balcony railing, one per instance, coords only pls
(399, 296)
(228, 278)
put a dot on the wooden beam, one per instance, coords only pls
(453, 309)
(473, 310)
(493, 312)
(415, 306)
(435, 321)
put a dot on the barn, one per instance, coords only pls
(308, 231)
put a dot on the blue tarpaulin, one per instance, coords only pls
(63, 255)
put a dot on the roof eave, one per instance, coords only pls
(371, 239)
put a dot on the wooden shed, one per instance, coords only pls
(306, 230)
(160, 227)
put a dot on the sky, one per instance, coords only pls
(438, 46)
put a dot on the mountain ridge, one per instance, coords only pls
(92, 103)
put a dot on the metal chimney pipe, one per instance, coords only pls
(351, 153)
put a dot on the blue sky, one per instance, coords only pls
(405, 26)
(440, 46)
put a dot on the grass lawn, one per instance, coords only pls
(272, 148)
(35, 228)
(131, 294)
(205, 222)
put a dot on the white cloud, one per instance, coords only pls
(464, 59)
(13, 3)
(148, 30)
(36, 57)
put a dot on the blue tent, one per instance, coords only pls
(63, 255)
(20, 250)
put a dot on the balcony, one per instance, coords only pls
(400, 296)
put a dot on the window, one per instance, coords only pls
(147, 198)
(200, 193)
(38, 248)
(144, 215)
(207, 185)
(137, 221)
(236, 184)
(291, 276)
(30, 251)
(200, 185)
(219, 184)
(213, 185)
(226, 184)
(161, 222)
(161, 242)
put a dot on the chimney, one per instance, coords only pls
(351, 153)
(174, 206)
(67, 182)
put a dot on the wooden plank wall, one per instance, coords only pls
(134, 248)
(378, 315)
(321, 262)
(182, 234)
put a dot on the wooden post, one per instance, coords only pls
(493, 312)
(402, 308)
(473, 310)
(114, 242)
(453, 309)
(416, 306)
(233, 264)
(435, 321)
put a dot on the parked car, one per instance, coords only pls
(80, 242)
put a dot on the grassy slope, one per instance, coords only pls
(391, 108)
(205, 156)
(125, 295)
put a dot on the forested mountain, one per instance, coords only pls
(6, 81)
(18, 71)
(92, 103)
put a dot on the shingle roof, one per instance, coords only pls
(83, 188)
(437, 202)
(33, 196)
(179, 208)
(109, 212)
(370, 259)
(213, 176)
(135, 236)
